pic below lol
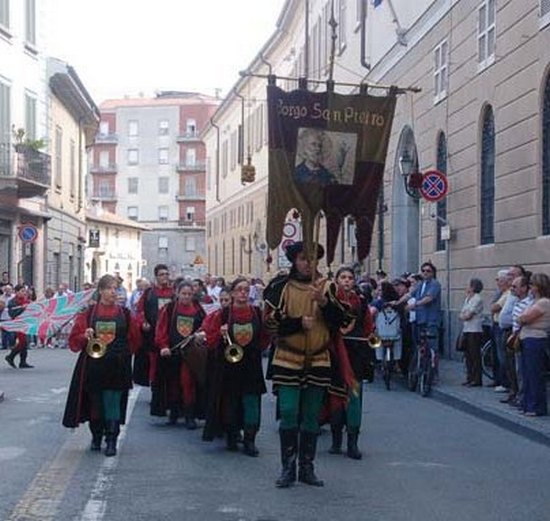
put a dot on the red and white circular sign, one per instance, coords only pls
(434, 185)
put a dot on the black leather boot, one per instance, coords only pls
(353, 451)
(336, 447)
(231, 440)
(249, 440)
(190, 422)
(289, 449)
(23, 360)
(174, 415)
(306, 472)
(112, 430)
(9, 358)
(96, 428)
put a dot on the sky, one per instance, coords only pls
(128, 47)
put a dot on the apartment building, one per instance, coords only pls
(482, 117)
(25, 160)
(73, 119)
(148, 165)
(113, 247)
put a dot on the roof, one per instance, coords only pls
(189, 99)
(114, 219)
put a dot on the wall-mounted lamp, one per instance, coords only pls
(412, 178)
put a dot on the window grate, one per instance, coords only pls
(544, 7)
(487, 214)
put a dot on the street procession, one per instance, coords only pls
(311, 283)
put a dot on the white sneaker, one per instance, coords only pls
(500, 389)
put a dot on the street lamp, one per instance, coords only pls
(412, 178)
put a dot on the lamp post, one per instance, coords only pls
(412, 178)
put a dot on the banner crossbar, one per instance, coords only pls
(398, 90)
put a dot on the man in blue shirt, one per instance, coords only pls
(427, 305)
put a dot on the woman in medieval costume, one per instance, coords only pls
(353, 337)
(299, 314)
(102, 377)
(176, 377)
(236, 381)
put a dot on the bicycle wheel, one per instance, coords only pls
(425, 379)
(387, 374)
(487, 359)
(412, 374)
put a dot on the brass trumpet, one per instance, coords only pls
(233, 352)
(96, 348)
(374, 341)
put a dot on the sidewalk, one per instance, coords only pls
(484, 403)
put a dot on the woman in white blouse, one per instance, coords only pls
(535, 324)
(472, 332)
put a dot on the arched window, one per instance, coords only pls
(441, 165)
(487, 213)
(546, 160)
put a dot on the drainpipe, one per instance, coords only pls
(217, 159)
(241, 147)
(364, 61)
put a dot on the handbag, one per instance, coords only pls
(459, 346)
(513, 343)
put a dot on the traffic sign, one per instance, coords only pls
(28, 233)
(434, 185)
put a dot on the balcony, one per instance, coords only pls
(186, 137)
(195, 196)
(191, 223)
(111, 168)
(106, 139)
(104, 195)
(24, 170)
(188, 166)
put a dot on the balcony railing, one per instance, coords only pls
(191, 223)
(111, 168)
(25, 169)
(188, 136)
(191, 166)
(106, 138)
(195, 196)
(104, 195)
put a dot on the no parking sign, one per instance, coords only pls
(28, 233)
(434, 185)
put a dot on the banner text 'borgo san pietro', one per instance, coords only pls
(326, 152)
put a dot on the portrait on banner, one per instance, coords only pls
(324, 157)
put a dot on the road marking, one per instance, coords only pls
(7, 453)
(426, 464)
(97, 504)
(41, 500)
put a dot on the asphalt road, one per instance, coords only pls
(422, 461)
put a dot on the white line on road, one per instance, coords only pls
(97, 504)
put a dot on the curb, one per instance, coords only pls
(491, 417)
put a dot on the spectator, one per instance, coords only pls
(501, 333)
(121, 294)
(5, 280)
(427, 304)
(472, 332)
(141, 284)
(505, 325)
(49, 293)
(535, 324)
(520, 286)
(8, 338)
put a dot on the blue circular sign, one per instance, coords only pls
(28, 233)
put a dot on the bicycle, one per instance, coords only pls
(387, 362)
(421, 368)
(487, 359)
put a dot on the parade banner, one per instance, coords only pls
(46, 317)
(326, 152)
